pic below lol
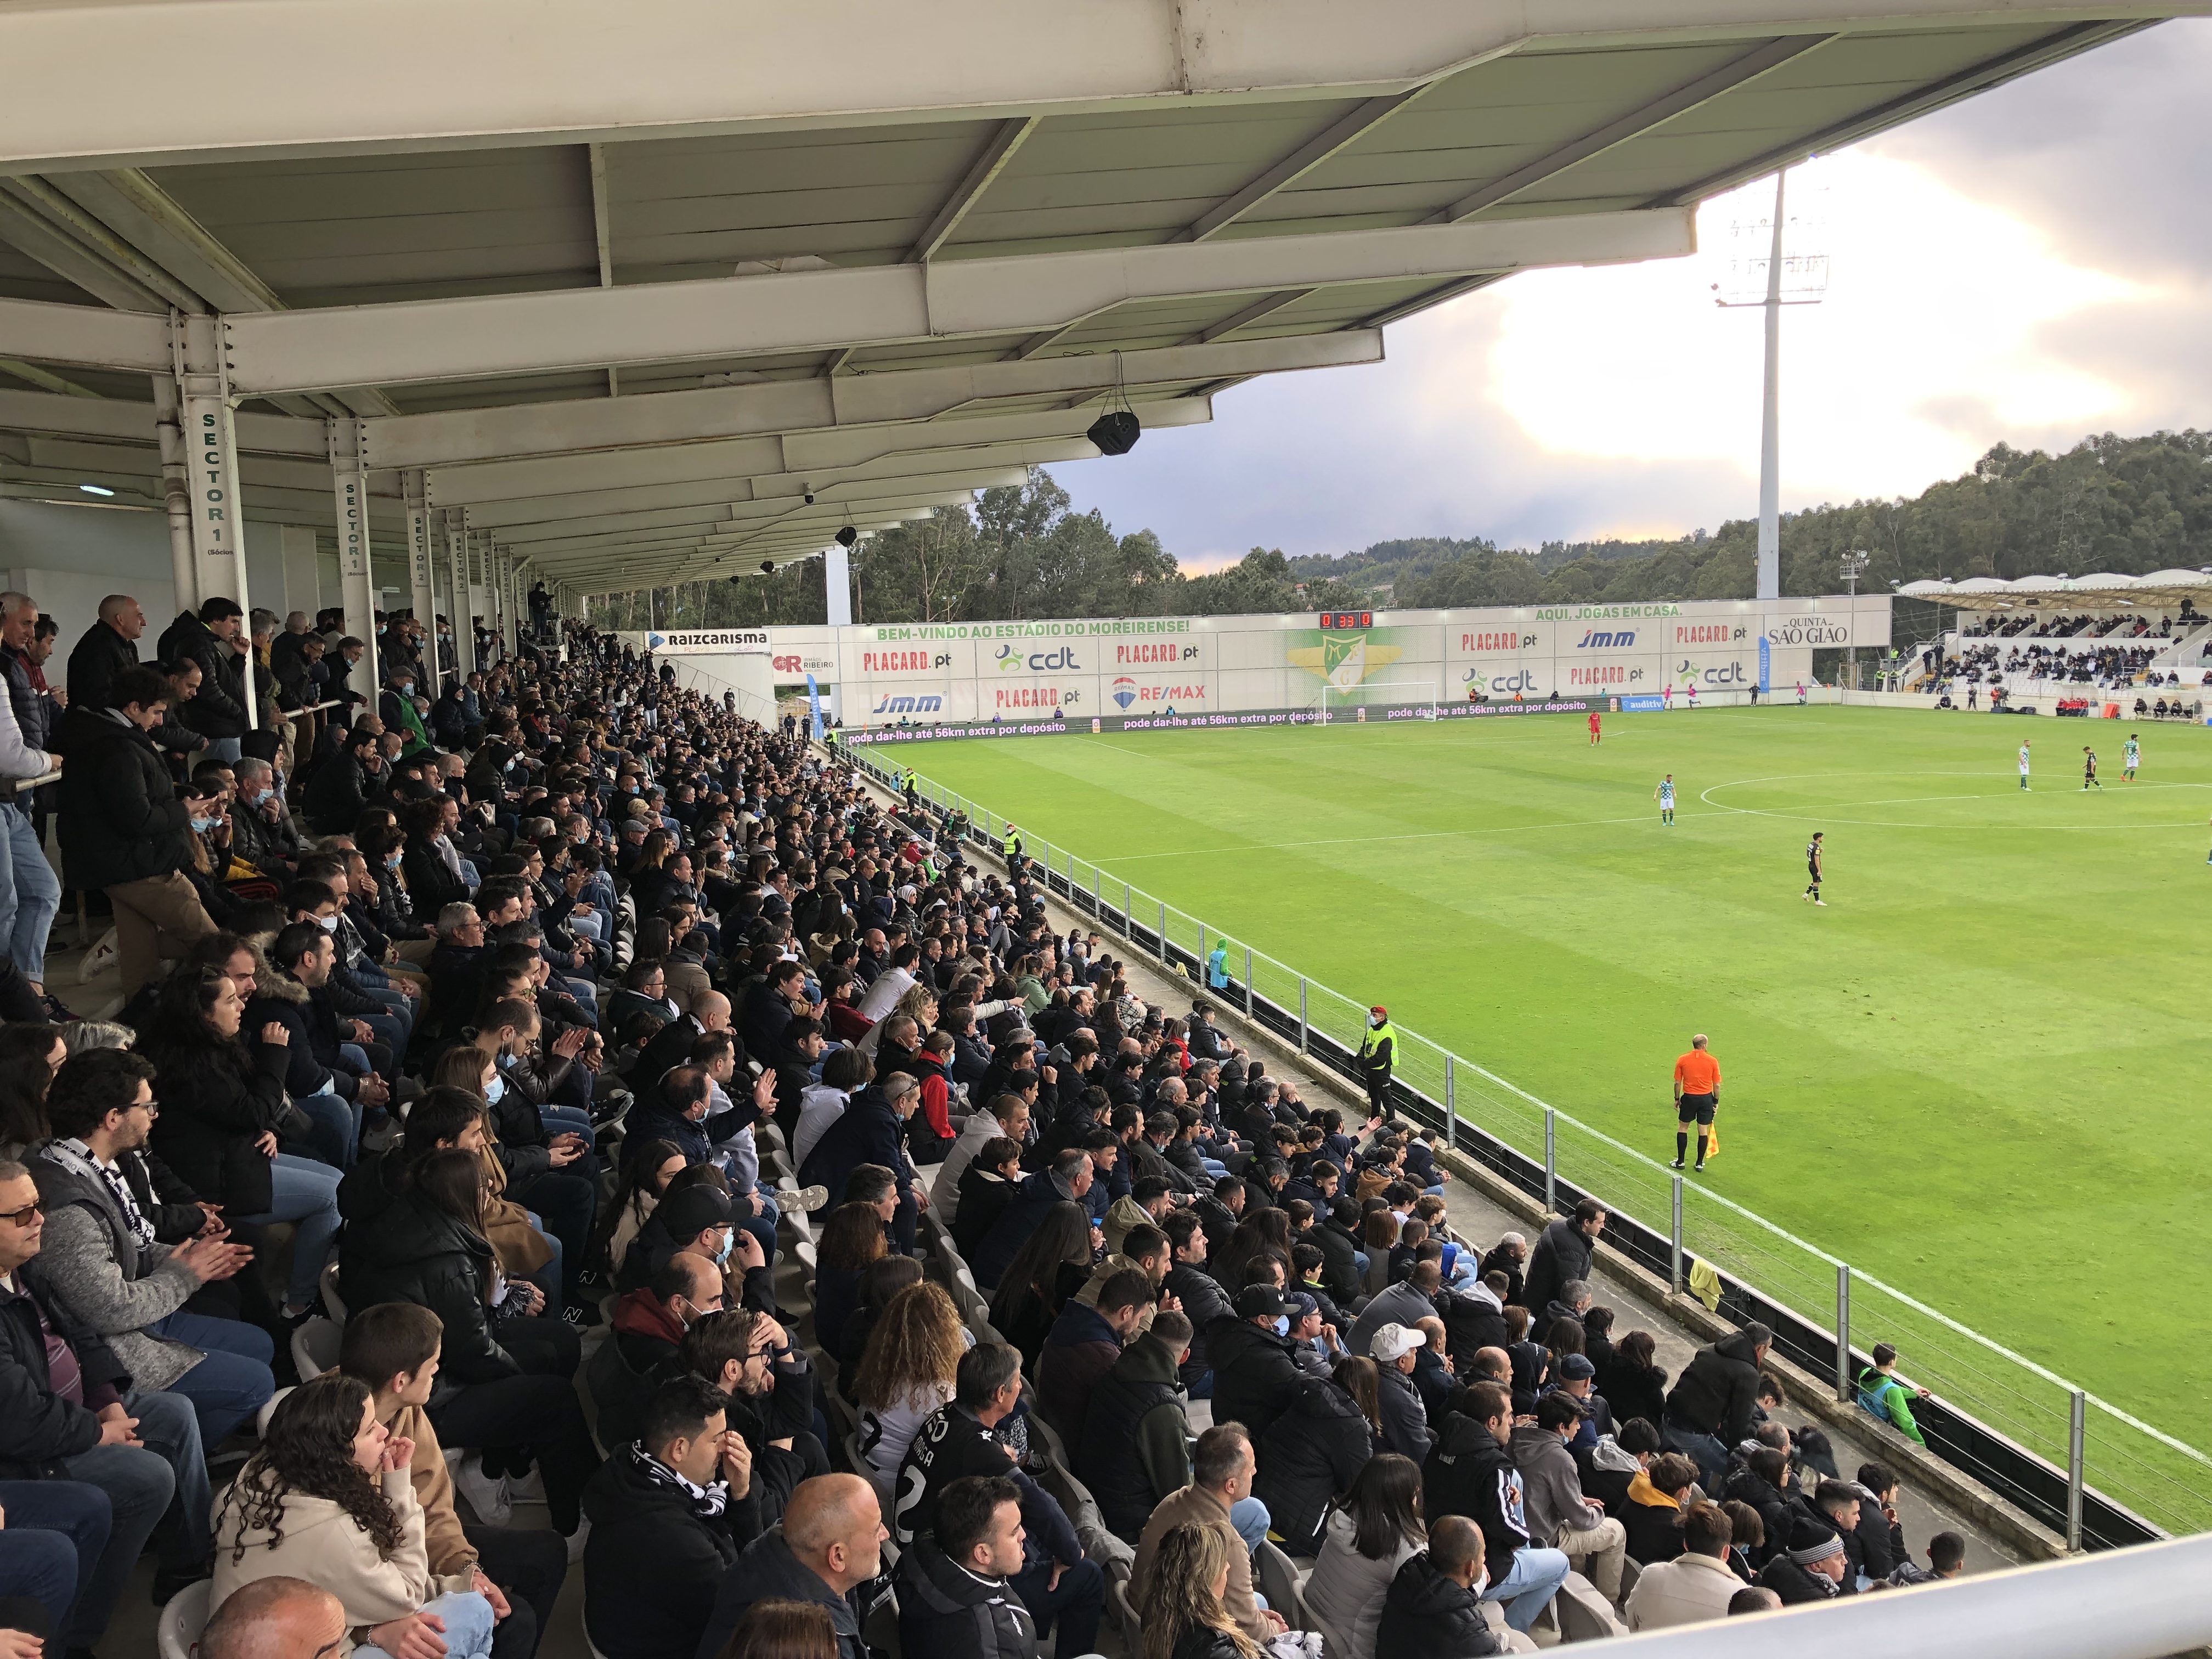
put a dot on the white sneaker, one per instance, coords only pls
(808, 1199)
(487, 1497)
(99, 959)
(1823, 903)
(527, 1489)
(577, 1539)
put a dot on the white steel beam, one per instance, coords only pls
(730, 461)
(1011, 134)
(108, 417)
(1680, 101)
(822, 405)
(84, 335)
(427, 74)
(735, 516)
(31, 233)
(1341, 133)
(815, 310)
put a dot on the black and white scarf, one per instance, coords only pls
(77, 1157)
(706, 1502)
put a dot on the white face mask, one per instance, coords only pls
(496, 1089)
(328, 924)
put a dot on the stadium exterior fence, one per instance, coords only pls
(2085, 1469)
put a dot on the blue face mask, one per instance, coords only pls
(202, 825)
(505, 1060)
(392, 862)
(495, 1091)
(729, 1243)
(1282, 1324)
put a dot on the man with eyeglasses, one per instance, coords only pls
(749, 1356)
(103, 1265)
(68, 1411)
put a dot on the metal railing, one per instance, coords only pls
(2081, 1466)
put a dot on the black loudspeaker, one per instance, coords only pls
(847, 535)
(1115, 432)
(768, 567)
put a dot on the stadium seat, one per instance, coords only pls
(315, 1347)
(268, 1410)
(333, 1304)
(1117, 1603)
(182, 1620)
(1583, 1614)
(1278, 1580)
(886, 1489)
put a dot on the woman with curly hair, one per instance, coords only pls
(1184, 1617)
(328, 1499)
(906, 1372)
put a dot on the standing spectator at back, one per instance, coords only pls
(1564, 1251)
(105, 650)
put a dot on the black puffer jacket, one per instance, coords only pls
(1311, 1456)
(655, 1562)
(1561, 1253)
(217, 1098)
(1254, 1378)
(120, 819)
(1427, 1613)
(946, 1613)
(1718, 1393)
(218, 707)
(417, 1253)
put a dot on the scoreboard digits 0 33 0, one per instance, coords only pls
(1347, 619)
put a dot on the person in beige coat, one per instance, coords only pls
(328, 1499)
(1696, 1584)
(1222, 1467)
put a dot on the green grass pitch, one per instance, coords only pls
(1968, 1075)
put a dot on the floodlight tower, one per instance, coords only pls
(1772, 279)
(1854, 565)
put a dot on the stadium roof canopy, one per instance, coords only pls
(2101, 592)
(631, 293)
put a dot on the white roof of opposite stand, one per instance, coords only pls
(2102, 591)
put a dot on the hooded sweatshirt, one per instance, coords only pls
(324, 1545)
(1554, 1490)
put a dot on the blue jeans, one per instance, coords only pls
(334, 1133)
(585, 993)
(566, 1120)
(30, 894)
(226, 750)
(1528, 1589)
(1250, 1518)
(233, 1382)
(49, 1521)
(140, 1482)
(1704, 1450)
(304, 1193)
(468, 1620)
(592, 928)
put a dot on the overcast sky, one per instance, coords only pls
(2032, 265)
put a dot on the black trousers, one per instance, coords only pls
(566, 1202)
(520, 1417)
(531, 1566)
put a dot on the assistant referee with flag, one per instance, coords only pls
(1697, 1096)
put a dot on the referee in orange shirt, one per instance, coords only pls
(1697, 1094)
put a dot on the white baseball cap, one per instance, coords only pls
(1391, 1343)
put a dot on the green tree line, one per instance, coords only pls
(2127, 505)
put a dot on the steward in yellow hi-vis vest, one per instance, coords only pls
(1377, 1053)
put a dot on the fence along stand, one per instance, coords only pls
(1451, 1105)
(1164, 931)
(1248, 981)
(2077, 1413)
(1551, 1162)
(1302, 1013)
(1844, 1391)
(1674, 1269)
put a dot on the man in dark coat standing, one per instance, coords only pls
(1563, 1253)
(873, 1130)
(106, 649)
(123, 828)
(209, 639)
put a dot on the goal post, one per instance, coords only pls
(1335, 700)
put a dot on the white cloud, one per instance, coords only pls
(1934, 309)
(2027, 266)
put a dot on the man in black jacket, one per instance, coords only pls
(1203, 1299)
(68, 1413)
(105, 649)
(1563, 1253)
(828, 1551)
(670, 1512)
(1470, 1474)
(124, 830)
(1434, 1605)
(956, 1600)
(1255, 1376)
(956, 1441)
(1714, 1402)
(210, 638)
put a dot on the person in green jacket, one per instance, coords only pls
(1217, 966)
(1883, 1394)
(1378, 1051)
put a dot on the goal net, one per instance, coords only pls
(1342, 702)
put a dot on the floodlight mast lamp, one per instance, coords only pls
(1853, 565)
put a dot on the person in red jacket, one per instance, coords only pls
(929, 1132)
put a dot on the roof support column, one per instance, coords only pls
(837, 584)
(424, 599)
(176, 490)
(457, 564)
(357, 589)
(202, 374)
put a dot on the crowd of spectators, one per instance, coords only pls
(567, 1004)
